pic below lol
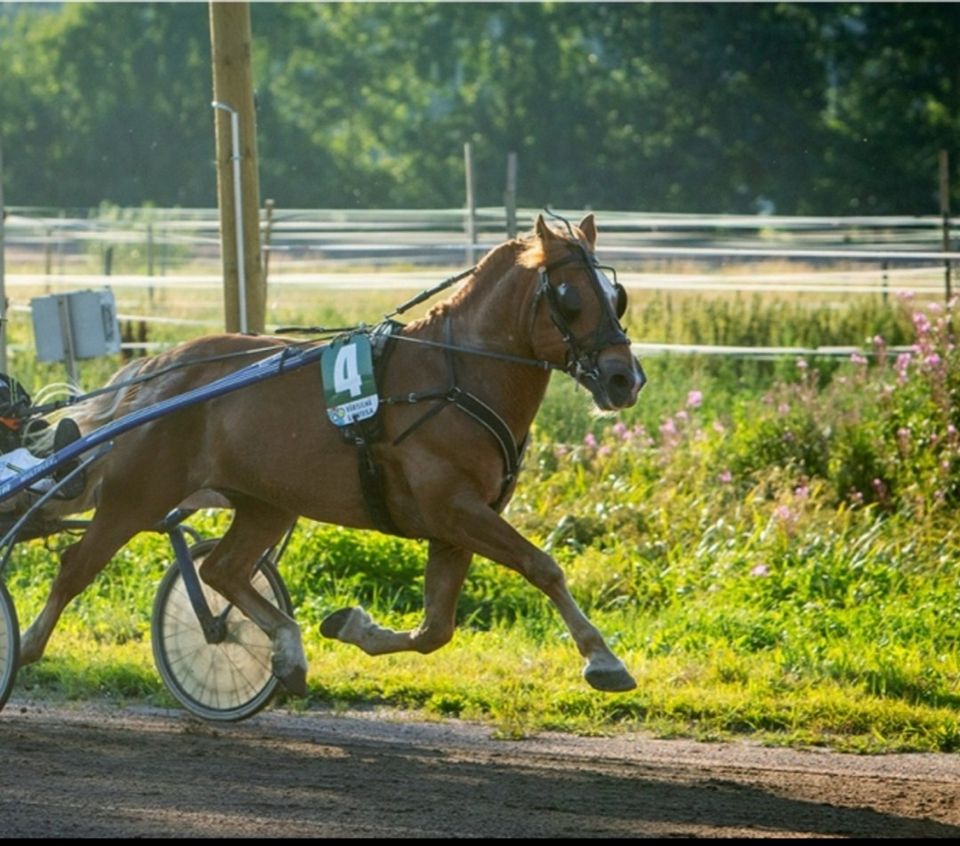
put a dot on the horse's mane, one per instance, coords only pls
(527, 252)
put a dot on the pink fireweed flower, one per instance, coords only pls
(694, 399)
(921, 323)
(902, 364)
(932, 360)
(590, 440)
(783, 513)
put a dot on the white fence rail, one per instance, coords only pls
(179, 250)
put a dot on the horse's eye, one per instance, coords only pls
(568, 299)
(621, 300)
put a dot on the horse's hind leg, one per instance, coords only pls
(229, 568)
(79, 565)
(446, 569)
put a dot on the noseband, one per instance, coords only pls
(583, 353)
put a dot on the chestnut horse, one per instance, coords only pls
(273, 454)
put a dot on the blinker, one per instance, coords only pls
(568, 300)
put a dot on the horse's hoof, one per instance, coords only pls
(332, 624)
(294, 681)
(610, 680)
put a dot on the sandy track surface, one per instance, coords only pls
(98, 770)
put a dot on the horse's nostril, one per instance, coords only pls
(618, 388)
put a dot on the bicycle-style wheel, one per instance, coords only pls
(9, 644)
(225, 681)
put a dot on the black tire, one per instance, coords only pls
(220, 682)
(9, 644)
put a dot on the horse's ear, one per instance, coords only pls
(544, 232)
(588, 226)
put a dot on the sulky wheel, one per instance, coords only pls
(228, 680)
(9, 644)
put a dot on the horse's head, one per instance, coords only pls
(576, 314)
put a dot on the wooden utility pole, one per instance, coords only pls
(230, 39)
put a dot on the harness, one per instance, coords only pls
(364, 433)
(582, 362)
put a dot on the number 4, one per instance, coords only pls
(346, 373)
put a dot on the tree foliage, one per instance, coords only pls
(707, 107)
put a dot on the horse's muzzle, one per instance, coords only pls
(616, 382)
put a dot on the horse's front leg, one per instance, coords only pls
(443, 579)
(475, 526)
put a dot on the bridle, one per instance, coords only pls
(583, 353)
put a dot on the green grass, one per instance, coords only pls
(769, 546)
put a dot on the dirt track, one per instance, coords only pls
(106, 771)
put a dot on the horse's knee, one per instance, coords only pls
(546, 574)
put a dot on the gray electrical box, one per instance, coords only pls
(76, 325)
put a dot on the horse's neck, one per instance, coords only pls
(492, 313)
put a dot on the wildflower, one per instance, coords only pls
(718, 427)
(802, 364)
(858, 358)
(621, 431)
(694, 399)
(902, 363)
(783, 513)
(784, 408)
(801, 492)
(932, 360)
(760, 570)
(604, 451)
(590, 440)
(726, 477)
